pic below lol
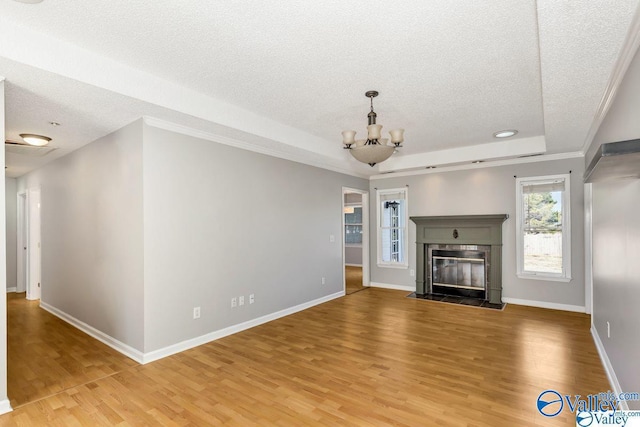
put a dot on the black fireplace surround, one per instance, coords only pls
(454, 236)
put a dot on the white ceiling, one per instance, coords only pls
(286, 77)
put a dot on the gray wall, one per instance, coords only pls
(220, 222)
(353, 255)
(11, 202)
(490, 190)
(92, 253)
(616, 243)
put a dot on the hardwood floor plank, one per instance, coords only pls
(45, 355)
(373, 358)
(353, 279)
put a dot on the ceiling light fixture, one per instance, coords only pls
(54, 124)
(477, 161)
(374, 149)
(430, 167)
(505, 133)
(37, 140)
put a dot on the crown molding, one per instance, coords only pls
(487, 151)
(627, 53)
(488, 164)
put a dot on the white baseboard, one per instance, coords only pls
(608, 368)
(119, 346)
(5, 406)
(543, 304)
(353, 265)
(408, 288)
(13, 289)
(212, 336)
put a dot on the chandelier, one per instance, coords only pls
(374, 149)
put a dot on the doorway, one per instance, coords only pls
(29, 245)
(355, 239)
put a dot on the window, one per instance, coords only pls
(544, 228)
(353, 225)
(392, 228)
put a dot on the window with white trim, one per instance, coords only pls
(544, 228)
(393, 217)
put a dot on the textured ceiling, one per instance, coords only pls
(450, 73)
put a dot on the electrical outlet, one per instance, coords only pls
(241, 300)
(234, 302)
(608, 330)
(412, 272)
(323, 281)
(196, 312)
(252, 299)
(332, 238)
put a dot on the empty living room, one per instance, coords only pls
(337, 213)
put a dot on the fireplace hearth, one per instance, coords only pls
(459, 256)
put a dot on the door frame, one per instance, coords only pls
(29, 237)
(23, 238)
(365, 235)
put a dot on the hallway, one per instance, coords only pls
(46, 355)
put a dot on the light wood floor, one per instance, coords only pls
(47, 355)
(353, 278)
(373, 358)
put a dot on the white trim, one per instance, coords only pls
(396, 265)
(544, 276)
(12, 289)
(608, 367)
(566, 229)
(346, 265)
(5, 406)
(212, 336)
(119, 346)
(588, 248)
(22, 259)
(408, 288)
(364, 202)
(544, 304)
(627, 53)
(487, 164)
(405, 239)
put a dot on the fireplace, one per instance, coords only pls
(458, 270)
(460, 255)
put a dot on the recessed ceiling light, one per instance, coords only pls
(505, 133)
(33, 139)
(430, 167)
(29, 1)
(477, 161)
(54, 124)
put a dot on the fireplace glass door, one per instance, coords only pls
(459, 269)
